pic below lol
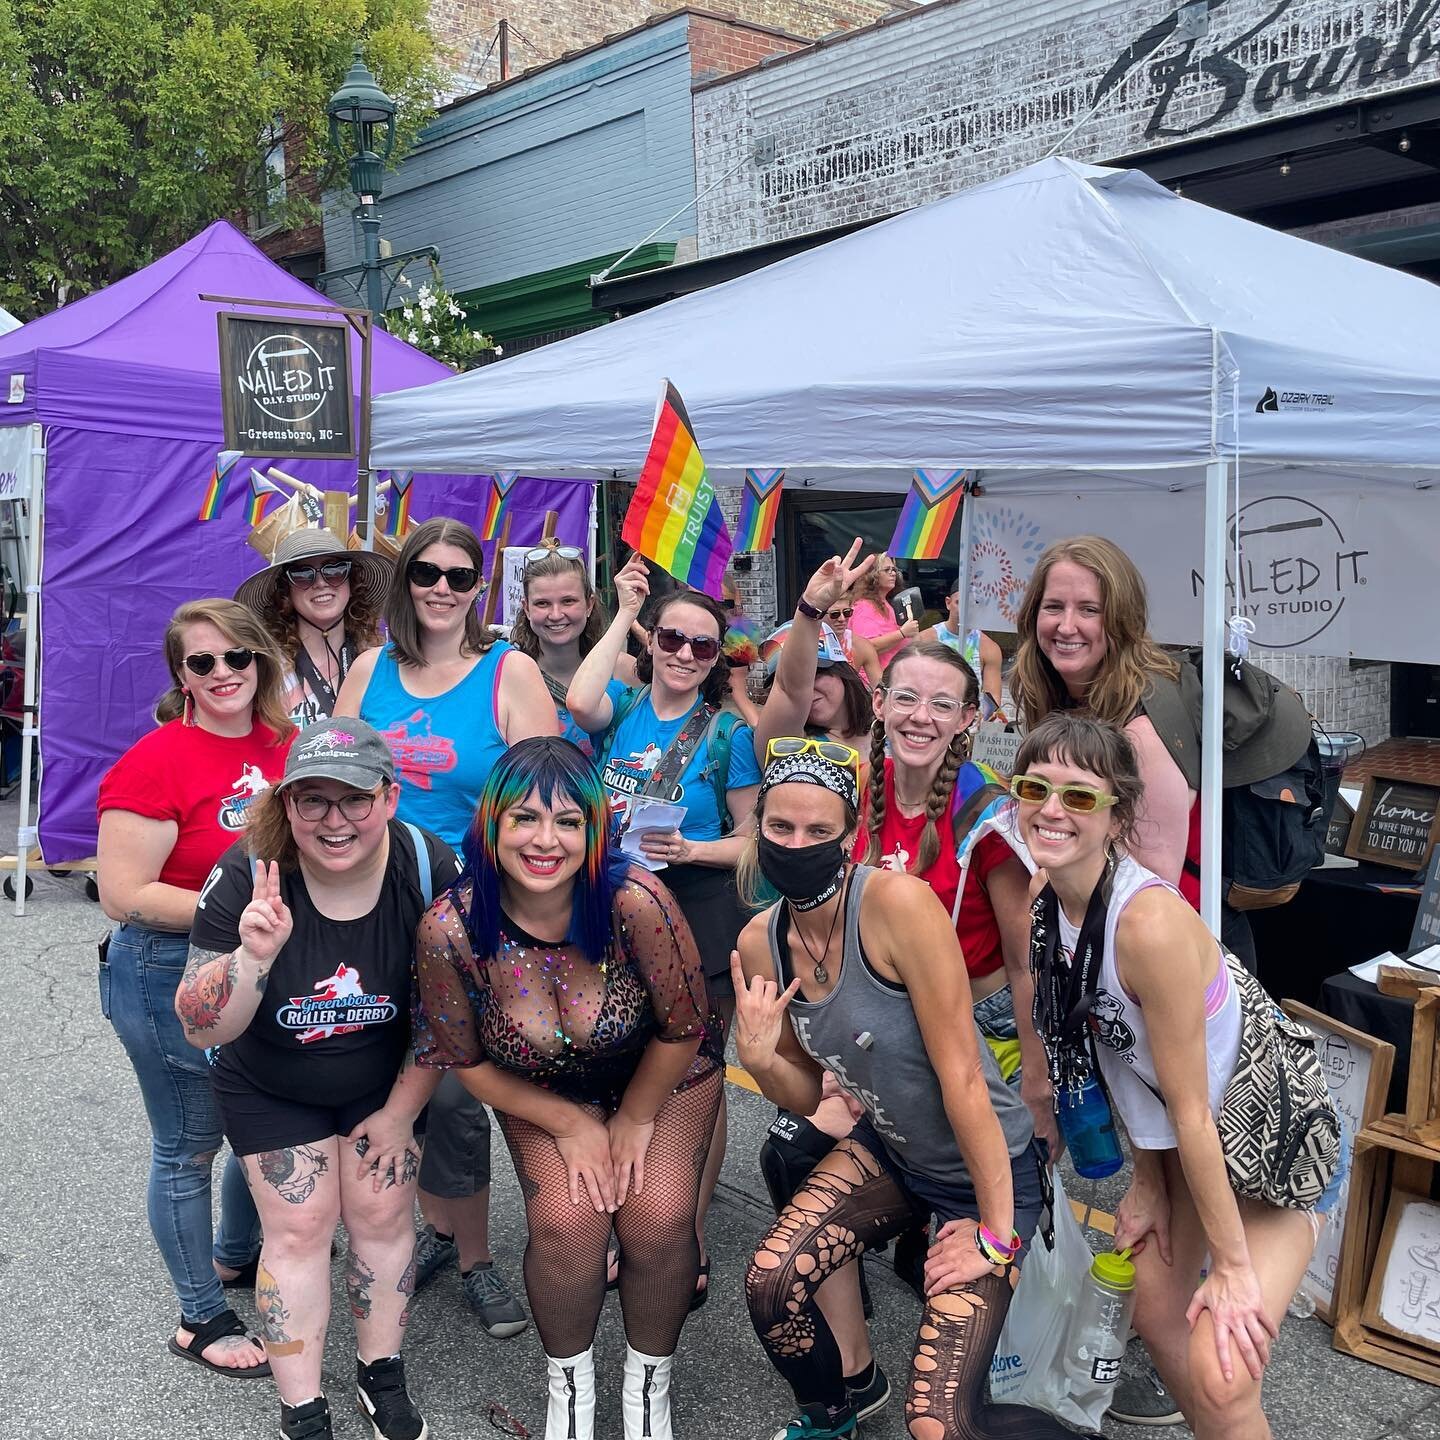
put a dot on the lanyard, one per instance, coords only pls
(1065, 990)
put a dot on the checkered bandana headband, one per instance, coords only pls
(813, 769)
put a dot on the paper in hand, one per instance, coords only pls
(649, 815)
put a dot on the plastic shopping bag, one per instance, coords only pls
(1029, 1363)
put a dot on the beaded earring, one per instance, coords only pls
(188, 717)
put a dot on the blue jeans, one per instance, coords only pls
(138, 980)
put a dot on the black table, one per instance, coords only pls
(1387, 1017)
(1337, 920)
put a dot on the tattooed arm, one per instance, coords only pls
(131, 853)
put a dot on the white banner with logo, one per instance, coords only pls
(1322, 571)
(16, 443)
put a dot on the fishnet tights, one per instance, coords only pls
(848, 1205)
(565, 1256)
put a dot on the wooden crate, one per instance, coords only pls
(1388, 1159)
(1422, 1095)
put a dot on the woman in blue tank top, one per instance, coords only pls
(449, 698)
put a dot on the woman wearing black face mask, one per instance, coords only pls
(864, 966)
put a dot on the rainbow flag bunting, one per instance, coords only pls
(225, 462)
(500, 485)
(759, 510)
(397, 516)
(930, 507)
(674, 518)
(261, 489)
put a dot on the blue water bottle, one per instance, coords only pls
(1089, 1129)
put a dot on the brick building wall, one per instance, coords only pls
(721, 47)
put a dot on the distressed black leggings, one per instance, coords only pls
(849, 1204)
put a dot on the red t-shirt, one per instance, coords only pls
(976, 927)
(204, 783)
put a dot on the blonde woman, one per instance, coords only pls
(873, 617)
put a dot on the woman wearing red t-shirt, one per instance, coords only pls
(169, 808)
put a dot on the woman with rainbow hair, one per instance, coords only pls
(565, 990)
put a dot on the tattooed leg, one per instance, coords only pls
(297, 1192)
(380, 1270)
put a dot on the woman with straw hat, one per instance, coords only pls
(321, 603)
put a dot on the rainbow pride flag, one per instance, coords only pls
(674, 518)
(225, 462)
(397, 516)
(261, 489)
(500, 486)
(759, 510)
(930, 507)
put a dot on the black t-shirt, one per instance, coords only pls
(334, 1021)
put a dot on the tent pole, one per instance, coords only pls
(1211, 747)
(967, 530)
(24, 834)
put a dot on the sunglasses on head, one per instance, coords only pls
(302, 577)
(544, 552)
(460, 578)
(702, 647)
(203, 662)
(831, 750)
(1078, 799)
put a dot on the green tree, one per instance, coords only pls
(128, 125)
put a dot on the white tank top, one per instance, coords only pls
(1122, 1042)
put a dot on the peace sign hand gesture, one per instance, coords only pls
(760, 1007)
(836, 576)
(266, 922)
(632, 585)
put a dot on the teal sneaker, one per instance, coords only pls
(814, 1424)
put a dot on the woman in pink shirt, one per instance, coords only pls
(873, 617)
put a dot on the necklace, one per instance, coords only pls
(822, 975)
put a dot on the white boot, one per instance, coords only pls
(571, 1412)
(646, 1396)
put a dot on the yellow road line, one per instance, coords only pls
(736, 1076)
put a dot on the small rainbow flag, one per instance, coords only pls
(674, 518)
(225, 462)
(759, 509)
(397, 516)
(261, 489)
(500, 486)
(930, 507)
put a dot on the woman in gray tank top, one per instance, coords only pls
(857, 972)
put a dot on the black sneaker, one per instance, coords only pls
(432, 1253)
(310, 1421)
(865, 1400)
(384, 1402)
(1142, 1399)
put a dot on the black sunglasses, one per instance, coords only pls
(702, 647)
(203, 662)
(460, 578)
(302, 577)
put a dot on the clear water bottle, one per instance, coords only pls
(1089, 1129)
(1099, 1327)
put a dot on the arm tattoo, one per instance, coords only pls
(273, 1316)
(359, 1277)
(205, 987)
(294, 1171)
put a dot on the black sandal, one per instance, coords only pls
(243, 1278)
(701, 1296)
(227, 1322)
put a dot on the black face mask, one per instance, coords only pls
(806, 875)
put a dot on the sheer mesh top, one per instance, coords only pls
(545, 1012)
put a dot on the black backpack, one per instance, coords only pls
(1275, 806)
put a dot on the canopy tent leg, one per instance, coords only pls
(1212, 748)
(967, 530)
(24, 835)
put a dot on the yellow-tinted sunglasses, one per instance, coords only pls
(1078, 799)
(831, 750)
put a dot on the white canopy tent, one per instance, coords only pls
(1067, 329)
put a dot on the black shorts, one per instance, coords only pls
(457, 1153)
(710, 904)
(256, 1120)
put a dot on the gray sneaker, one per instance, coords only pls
(432, 1253)
(1142, 1399)
(500, 1312)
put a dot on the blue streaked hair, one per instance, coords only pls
(551, 767)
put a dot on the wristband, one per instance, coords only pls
(808, 610)
(993, 1249)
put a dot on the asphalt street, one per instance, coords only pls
(86, 1305)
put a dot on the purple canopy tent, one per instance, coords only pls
(125, 385)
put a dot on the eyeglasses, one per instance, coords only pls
(702, 647)
(460, 578)
(302, 577)
(831, 750)
(313, 806)
(842, 615)
(1078, 799)
(544, 552)
(941, 707)
(203, 662)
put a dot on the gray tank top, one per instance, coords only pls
(891, 1076)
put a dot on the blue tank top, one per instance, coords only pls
(444, 745)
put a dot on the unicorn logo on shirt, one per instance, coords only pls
(624, 775)
(340, 1006)
(235, 807)
(897, 859)
(1110, 1030)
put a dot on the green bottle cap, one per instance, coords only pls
(1113, 1271)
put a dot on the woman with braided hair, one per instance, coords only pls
(856, 972)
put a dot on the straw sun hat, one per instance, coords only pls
(369, 572)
